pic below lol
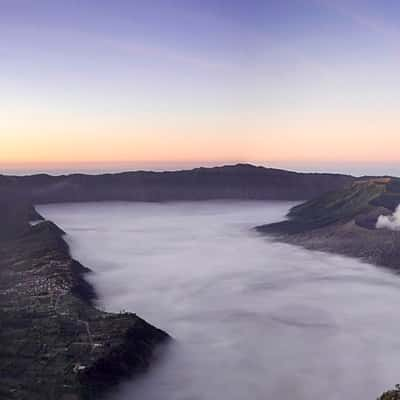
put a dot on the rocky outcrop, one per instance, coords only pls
(54, 344)
(391, 394)
(242, 181)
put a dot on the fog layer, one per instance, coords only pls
(252, 319)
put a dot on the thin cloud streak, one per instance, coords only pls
(170, 55)
(372, 23)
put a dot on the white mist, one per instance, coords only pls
(252, 319)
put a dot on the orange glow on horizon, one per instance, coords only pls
(329, 138)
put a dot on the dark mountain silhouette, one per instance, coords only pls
(242, 181)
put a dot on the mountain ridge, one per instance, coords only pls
(54, 342)
(345, 222)
(240, 181)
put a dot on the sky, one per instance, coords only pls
(302, 84)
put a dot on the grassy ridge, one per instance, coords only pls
(356, 201)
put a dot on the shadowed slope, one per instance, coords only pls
(242, 181)
(344, 222)
(53, 342)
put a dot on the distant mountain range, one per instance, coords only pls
(241, 181)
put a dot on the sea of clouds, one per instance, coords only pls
(251, 318)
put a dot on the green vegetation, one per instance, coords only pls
(340, 205)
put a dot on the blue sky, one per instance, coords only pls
(297, 81)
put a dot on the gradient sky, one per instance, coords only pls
(284, 82)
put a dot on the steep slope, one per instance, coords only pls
(391, 394)
(344, 222)
(54, 344)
